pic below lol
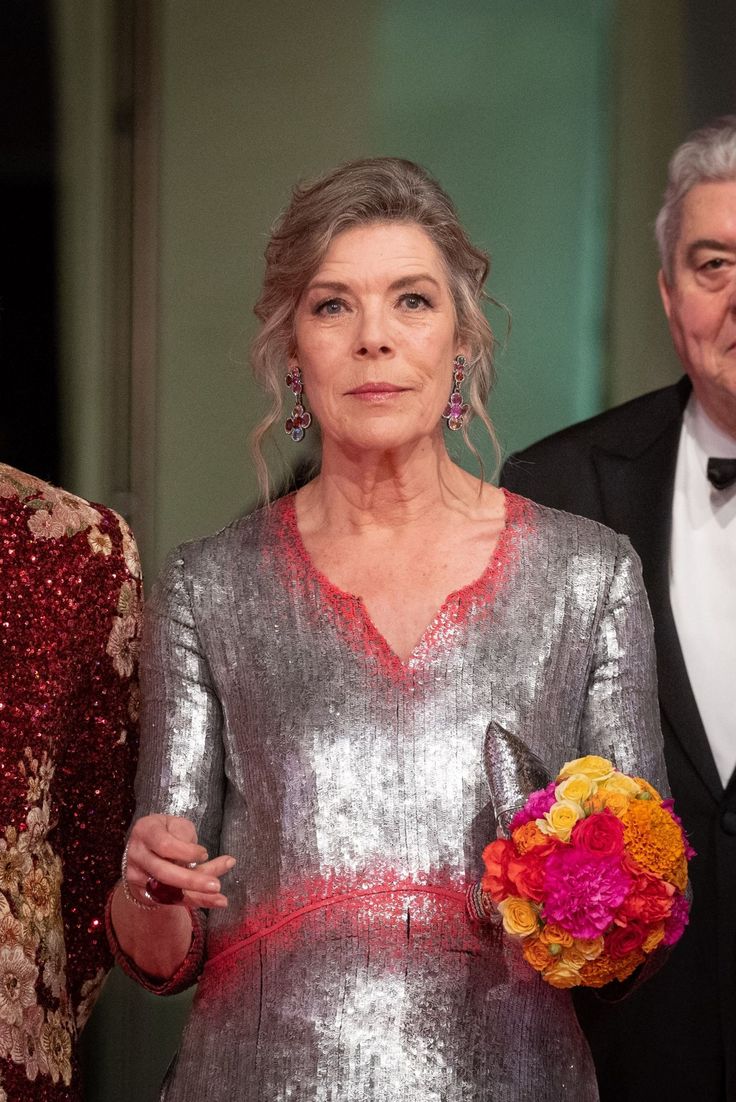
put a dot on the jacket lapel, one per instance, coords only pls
(637, 486)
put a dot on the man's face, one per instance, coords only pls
(700, 303)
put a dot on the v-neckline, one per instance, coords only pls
(351, 613)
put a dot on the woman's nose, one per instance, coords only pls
(372, 338)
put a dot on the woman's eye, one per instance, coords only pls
(414, 301)
(330, 308)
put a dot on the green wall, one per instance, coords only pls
(506, 102)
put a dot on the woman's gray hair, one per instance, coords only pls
(379, 189)
(708, 154)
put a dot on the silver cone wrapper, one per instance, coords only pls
(513, 772)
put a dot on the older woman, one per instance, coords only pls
(320, 677)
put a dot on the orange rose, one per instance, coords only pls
(536, 953)
(495, 879)
(552, 934)
(529, 836)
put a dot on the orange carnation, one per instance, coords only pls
(653, 839)
(599, 972)
(679, 874)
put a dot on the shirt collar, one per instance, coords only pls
(707, 437)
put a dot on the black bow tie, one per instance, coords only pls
(722, 473)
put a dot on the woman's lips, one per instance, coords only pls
(376, 390)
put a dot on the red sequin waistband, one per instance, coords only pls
(452, 895)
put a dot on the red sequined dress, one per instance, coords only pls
(69, 625)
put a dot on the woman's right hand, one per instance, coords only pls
(165, 847)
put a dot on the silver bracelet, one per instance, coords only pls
(153, 905)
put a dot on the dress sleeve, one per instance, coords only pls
(181, 766)
(621, 710)
(95, 780)
(181, 769)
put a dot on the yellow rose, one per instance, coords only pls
(520, 918)
(561, 818)
(591, 766)
(561, 974)
(573, 957)
(590, 948)
(576, 788)
(619, 782)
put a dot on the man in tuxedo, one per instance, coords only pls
(662, 469)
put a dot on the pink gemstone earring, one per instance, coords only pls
(299, 419)
(456, 410)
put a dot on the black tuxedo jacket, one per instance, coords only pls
(675, 1036)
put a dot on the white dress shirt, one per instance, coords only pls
(703, 580)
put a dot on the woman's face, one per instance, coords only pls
(376, 336)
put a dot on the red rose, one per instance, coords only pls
(625, 939)
(496, 880)
(601, 833)
(526, 873)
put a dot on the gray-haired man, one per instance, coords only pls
(662, 469)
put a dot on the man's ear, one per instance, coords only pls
(665, 293)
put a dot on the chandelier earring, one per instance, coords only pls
(456, 409)
(299, 419)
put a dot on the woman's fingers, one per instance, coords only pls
(169, 836)
(165, 847)
(203, 878)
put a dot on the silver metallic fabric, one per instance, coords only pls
(351, 788)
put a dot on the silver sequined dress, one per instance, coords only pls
(350, 788)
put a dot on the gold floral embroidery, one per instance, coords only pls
(123, 645)
(32, 938)
(88, 996)
(100, 543)
(54, 513)
(130, 551)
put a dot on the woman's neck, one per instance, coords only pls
(395, 489)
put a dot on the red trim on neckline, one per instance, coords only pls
(349, 614)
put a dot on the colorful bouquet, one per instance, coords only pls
(593, 878)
